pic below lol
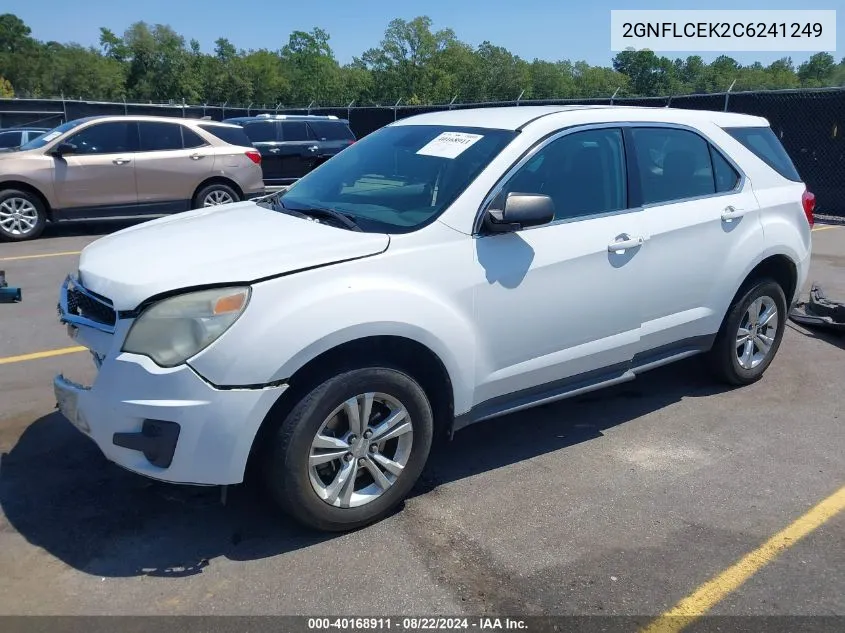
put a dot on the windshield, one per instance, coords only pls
(52, 135)
(399, 178)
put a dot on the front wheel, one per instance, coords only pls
(751, 334)
(22, 216)
(351, 449)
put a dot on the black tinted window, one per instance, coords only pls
(261, 132)
(191, 139)
(331, 130)
(768, 148)
(159, 137)
(232, 135)
(10, 139)
(724, 174)
(584, 173)
(106, 138)
(295, 131)
(673, 164)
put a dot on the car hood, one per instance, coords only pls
(236, 243)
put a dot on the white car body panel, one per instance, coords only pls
(504, 314)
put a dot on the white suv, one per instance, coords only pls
(447, 269)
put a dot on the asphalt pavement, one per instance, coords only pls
(622, 502)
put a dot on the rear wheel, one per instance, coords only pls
(214, 195)
(22, 215)
(751, 334)
(351, 449)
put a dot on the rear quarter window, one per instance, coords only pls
(331, 131)
(231, 135)
(768, 148)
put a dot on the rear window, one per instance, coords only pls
(767, 147)
(231, 135)
(331, 131)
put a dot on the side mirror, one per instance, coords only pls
(519, 211)
(63, 148)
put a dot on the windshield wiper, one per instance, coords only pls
(343, 218)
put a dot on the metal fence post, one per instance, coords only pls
(452, 101)
(349, 111)
(519, 97)
(309, 106)
(395, 107)
(64, 107)
(728, 94)
(183, 107)
(615, 92)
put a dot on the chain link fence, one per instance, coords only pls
(809, 122)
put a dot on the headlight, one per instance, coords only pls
(175, 329)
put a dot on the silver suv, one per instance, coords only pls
(124, 165)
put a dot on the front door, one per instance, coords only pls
(99, 174)
(559, 305)
(298, 151)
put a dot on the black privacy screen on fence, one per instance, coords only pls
(809, 123)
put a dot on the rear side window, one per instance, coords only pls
(295, 131)
(191, 139)
(159, 137)
(261, 132)
(768, 148)
(10, 139)
(673, 164)
(232, 135)
(331, 131)
(723, 172)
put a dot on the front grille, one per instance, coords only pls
(85, 305)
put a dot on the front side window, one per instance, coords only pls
(582, 172)
(673, 164)
(106, 138)
(159, 137)
(400, 177)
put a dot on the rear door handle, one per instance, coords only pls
(196, 156)
(732, 213)
(275, 150)
(121, 161)
(621, 246)
(313, 148)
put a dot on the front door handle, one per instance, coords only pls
(732, 213)
(275, 150)
(621, 246)
(313, 148)
(121, 161)
(196, 156)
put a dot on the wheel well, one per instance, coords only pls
(414, 358)
(218, 180)
(22, 186)
(781, 269)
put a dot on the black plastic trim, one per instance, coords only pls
(157, 441)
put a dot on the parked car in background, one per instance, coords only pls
(124, 165)
(15, 137)
(449, 268)
(292, 145)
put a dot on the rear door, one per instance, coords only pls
(170, 164)
(333, 136)
(299, 149)
(702, 226)
(264, 136)
(101, 170)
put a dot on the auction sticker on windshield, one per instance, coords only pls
(49, 137)
(449, 144)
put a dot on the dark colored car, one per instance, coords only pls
(15, 137)
(293, 145)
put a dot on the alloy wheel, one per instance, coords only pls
(18, 216)
(756, 334)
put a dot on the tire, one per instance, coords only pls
(22, 216)
(731, 366)
(216, 190)
(306, 493)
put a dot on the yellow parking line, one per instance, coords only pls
(11, 259)
(37, 355)
(825, 227)
(713, 591)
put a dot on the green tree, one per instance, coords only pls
(6, 90)
(817, 71)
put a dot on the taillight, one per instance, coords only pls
(808, 201)
(254, 156)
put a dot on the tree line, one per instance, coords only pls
(412, 62)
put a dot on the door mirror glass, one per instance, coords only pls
(519, 211)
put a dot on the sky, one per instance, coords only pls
(544, 29)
